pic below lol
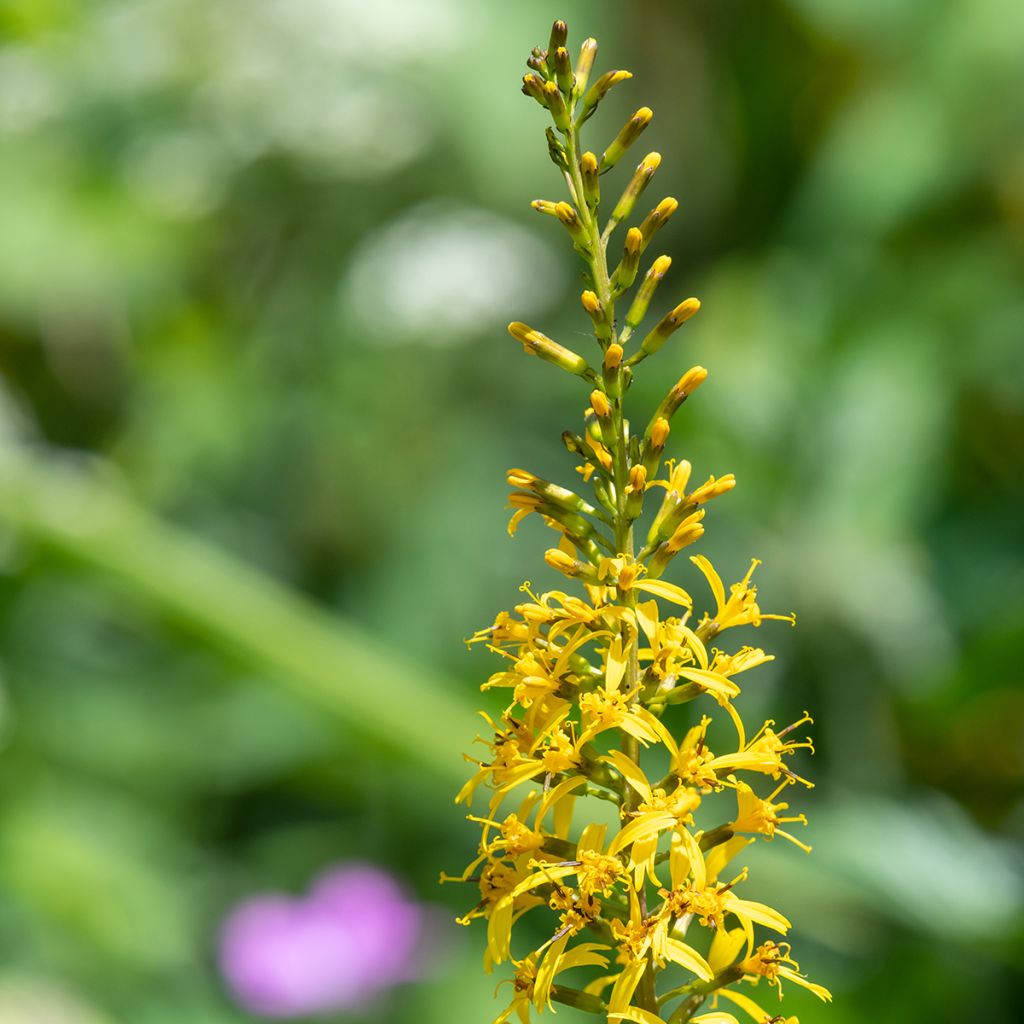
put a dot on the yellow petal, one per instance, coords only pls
(698, 869)
(717, 587)
(630, 771)
(635, 1013)
(718, 857)
(547, 970)
(725, 947)
(666, 591)
(746, 1004)
(553, 796)
(625, 986)
(615, 665)
(647, 617)
(715, 682)
(760, 913)
(686, 956)
(640, 828)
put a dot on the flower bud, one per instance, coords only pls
(559, 36)
(612, 356)
(598, 91)
(533, 85)
(572, 223)
(536, 62)
(635, 189)
(625, 272)
(563, 70)
(712, 488)
(684, 387)
(565, 563)
(584, 64)
(686, 532)
(659, 433)
(668, 325)
(556, 104)
(654, 445)
(599, 403)
(589, 173)
(556, 151)
(638, 309)
(596, 312)
(635, 491)
(630, 132)
(541, 345)
(657, 218)
(544, 206)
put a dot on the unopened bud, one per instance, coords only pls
(556, 151)
(668, 325)
(588, 51)
(533, 85)
(599, 403)
(572, 223)
(599, 90)
(520, 478)
(563, 70)
(684, 387)
(625, 272)
(565, 563)
(589, 173)
(544, 206)
(657, 217)
(556, 104)
(596, 312)
(659, 432)
(638, 309)
(536, 62)
(712, 488)
(640, 180)
(630, 132)
(541, 345)
(635, 491)
(686, 532)
(612, 356)
(559, 35)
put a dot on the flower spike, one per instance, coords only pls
(612, 683)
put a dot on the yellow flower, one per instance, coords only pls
(762, 816)
(740, 608)
(773, 962)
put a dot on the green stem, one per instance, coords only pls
(646, 996)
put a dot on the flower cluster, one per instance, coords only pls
(639, 897)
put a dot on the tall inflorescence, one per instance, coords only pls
(610, 841)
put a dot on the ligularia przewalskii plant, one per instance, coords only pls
(644, 912)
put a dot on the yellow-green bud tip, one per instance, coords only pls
(659, 268)
(599, 403)
(659, 432)
(591, 303)
(683, 312)
(691, 380)
(588, 163)
(634, 240)
(613, 356)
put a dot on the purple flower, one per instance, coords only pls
(354, 935)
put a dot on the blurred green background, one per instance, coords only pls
(256, 404)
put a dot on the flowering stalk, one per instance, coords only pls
(643, 909)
